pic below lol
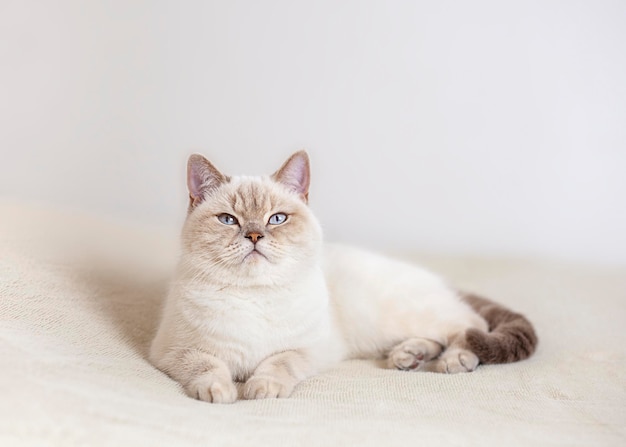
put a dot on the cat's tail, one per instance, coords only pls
(511, 336)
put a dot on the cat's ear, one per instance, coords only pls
(202, 177)
(295, 174)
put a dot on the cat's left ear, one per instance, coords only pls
(295, 174)
(202, 178)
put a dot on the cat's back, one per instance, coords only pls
(351, 267)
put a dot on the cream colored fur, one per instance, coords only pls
(271, 311)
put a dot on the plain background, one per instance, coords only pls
(481, 128)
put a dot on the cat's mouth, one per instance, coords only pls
(254, 255)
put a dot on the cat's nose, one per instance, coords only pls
(254, 237)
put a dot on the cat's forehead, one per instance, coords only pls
(253, 195)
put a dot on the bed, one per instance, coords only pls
(79, 303)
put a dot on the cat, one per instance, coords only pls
(258, 298)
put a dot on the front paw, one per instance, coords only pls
(213, 388)
(266, 388)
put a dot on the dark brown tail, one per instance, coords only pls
(511, 336)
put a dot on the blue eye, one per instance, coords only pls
(277, 219)
(227, 219)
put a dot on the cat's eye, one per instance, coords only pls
(227, 219)
(277, 219)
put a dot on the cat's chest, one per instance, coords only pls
(251, 321)
(236, 314)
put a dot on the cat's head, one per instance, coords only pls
(250, 230)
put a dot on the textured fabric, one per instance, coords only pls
(79, 301)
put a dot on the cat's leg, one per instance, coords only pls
(277, 375)
(412, 354)
(456, 358)
(203, 376)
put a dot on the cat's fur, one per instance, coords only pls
(269, 304)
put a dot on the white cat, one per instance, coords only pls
(259, 299)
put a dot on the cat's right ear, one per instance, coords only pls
(202, 178)
(295, 174)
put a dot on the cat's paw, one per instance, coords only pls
(266, 388)
(213, 388)
(406, 360)
(412, 354)
(454, 361)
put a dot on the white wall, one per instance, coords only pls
(482, 127)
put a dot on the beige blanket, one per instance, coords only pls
(79, 300)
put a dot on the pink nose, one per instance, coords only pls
(254, 237)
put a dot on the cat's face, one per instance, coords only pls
(245, 231)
